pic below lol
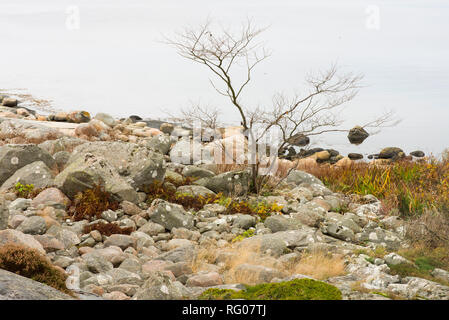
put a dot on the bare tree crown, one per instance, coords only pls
(316, 111)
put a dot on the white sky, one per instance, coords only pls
(114, 63)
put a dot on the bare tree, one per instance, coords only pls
(229, 56)
(207, 115)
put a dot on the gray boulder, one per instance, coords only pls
(280, 223)
(61, 158)
(86, 172)
(298, 177)
(276, 244)
(31, 132)
(15, 157)
(62, 144)
(234, 182)
(105, 118)
(33, 225)
(36, 174)
(138, 165)
(195, 190)
(171, 215)
(4, 214)
(160, 143)
(196, 172)
(15, 287)
(244, 221)
(17, 237)
(159, 286)
(120, 240)
(98, 264)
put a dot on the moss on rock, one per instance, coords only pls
(298, 289)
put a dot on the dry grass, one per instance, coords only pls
(411, 187)
(318, 265)
(430, 230)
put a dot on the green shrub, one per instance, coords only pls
(23, 191)
(298, 289)
(247, 234)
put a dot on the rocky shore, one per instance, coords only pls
(168, 250)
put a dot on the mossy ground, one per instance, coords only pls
(298, 289)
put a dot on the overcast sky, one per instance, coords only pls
(105, 55)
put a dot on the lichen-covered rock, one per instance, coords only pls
(62, 144)
(234, 182)
(139, 166)
(159, 143)
(15, 287)
(280, 223)
(33, 225)
(159, 286)
(196, 172)
(170, 215)
(15, 157)
(195, 191)
(36, 174)
(17, 237)
(86, 172)
(299, 177)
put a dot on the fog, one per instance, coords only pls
(108, 56)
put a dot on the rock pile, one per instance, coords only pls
(171, 251)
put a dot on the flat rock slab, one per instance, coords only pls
(15, 287)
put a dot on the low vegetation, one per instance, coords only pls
(411, 187)
(25, 190)
(318, 265)
(91, 203)
(298, 289)
(166, 191)
(30, 263)
(108, 229)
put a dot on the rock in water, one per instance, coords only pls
(355, 156)
(357, 135)
(391, 153)
(299, 140)
(418, 154)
